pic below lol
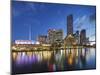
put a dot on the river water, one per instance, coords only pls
(53, 61)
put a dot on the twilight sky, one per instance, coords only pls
(43, 16)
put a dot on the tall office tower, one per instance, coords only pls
(69, 25)
(42, 39)
(83, 37)
(54, 35)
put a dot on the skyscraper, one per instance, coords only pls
(55, 35)
(83, 37)
(42, 39)
(69, 25)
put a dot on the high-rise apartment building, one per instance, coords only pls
(83, 37)
(42, 39)
(54, 35)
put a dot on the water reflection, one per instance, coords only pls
(47, 61)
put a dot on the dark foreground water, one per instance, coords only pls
(51, 61)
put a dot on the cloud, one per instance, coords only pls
(22, 7)
(79, 22)
(92, 17)
(36, 6)
(93, 35)
(15, 12)
(31, 6)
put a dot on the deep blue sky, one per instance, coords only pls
(44, 16)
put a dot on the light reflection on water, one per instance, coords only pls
(47, 61)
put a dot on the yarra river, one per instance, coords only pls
(53, 61)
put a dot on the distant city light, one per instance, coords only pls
(37, 42)
(24, 42)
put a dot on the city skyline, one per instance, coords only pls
(52, 37)
(42, 17)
